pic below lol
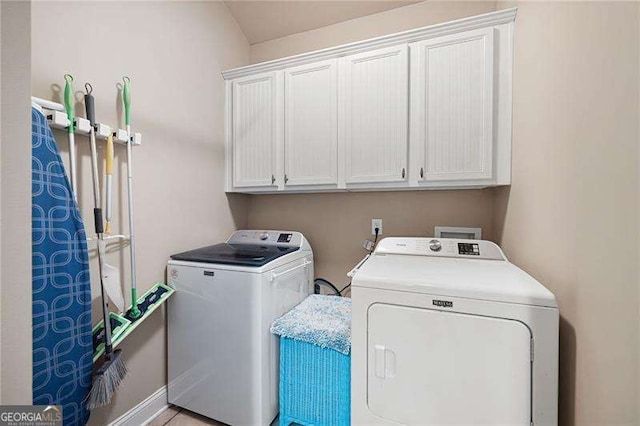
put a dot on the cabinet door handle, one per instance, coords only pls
(273, 179)
(421, 172)
(403, 173)
(286, 179)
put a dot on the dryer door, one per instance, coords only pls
(445, 368)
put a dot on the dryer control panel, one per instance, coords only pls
(441, 247)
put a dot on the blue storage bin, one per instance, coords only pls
(315, 385)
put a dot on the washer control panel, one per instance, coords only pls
(267, 237)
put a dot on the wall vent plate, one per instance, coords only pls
(458, 232)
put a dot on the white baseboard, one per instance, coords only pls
(146, 411)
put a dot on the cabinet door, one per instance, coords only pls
(311, 127)
(375, 112)
(254, 126)
(452, 113)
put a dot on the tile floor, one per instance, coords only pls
(176, 416)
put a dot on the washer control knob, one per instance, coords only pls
(435, 245)
(264, 236)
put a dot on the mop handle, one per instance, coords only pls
(126, 98)
(132, 234)
(71, 115)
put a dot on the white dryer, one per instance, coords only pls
(222, 359)
(449, 332)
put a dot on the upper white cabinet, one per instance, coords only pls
(426, 108)
(453, 102)
(375, 115)
(311, 124)
(254, 130)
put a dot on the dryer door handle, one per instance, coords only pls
(385, 362)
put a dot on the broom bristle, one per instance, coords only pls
(108, 378)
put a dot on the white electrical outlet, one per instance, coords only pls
(376, 223)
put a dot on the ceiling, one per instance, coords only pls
(266, 20)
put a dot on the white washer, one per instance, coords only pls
(449, 332)
(223, 362)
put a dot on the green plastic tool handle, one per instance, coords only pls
(68, 101)
(126, 97)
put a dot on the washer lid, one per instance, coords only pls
(235, 254)
(494, 280)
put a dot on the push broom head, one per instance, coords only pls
(107, 379)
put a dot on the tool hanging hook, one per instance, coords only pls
(126, 79)
(89, 88)
(68, 78)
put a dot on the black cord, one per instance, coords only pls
(375, 241)
(344, 288)
(321, 281)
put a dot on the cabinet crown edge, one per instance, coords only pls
(490, 19)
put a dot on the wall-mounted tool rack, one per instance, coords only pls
(57, 118)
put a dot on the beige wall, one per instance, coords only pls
(15, 208)
(570, 217)
(575, 178)
(336, 224)
(392, 21)
(173, 52)
(575, 168)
